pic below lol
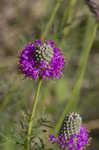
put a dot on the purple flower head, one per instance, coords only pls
(41, 60)
(94, 7)
(72, 134)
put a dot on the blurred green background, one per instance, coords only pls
(23, 21)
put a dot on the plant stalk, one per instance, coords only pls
(68, 15)
(32, 114)
(51, 19)
(87, 45)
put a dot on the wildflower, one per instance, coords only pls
(72, 134)
(94, 7)
(41, 60)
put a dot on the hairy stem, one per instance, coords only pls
(32, 114)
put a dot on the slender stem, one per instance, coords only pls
(88, 42)
(32, 114)
(68, 15)
(51, 18)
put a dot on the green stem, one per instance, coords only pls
(32, 114)
(88, 42)
(51, 19)
(68, 15)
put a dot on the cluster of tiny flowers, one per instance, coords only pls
(71, 125)
(94, 7)
(41, 60)
(72, 135)
(75, 142)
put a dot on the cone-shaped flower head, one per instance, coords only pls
(72, 134)
(94, 7)
(41, 60)
(71, 125)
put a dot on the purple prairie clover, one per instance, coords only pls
(72, 134)
(41, 60)
(94, 7)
